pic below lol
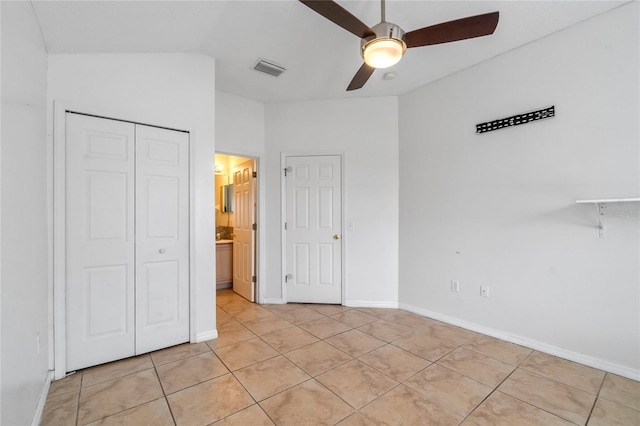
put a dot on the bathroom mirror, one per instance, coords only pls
(227, 198)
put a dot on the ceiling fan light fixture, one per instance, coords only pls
(383, 52)
(386, 48)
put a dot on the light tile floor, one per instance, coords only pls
(301, 364)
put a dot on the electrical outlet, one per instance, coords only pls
(455, 286)
(484, 291)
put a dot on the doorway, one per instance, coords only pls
(236, 223)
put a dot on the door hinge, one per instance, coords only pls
(288, 277)
(253, 279)
(287, 170)
(255, 174)
(254, 226)
(285, 226)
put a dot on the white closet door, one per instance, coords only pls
(127, 239)
(99, 227)
(162, 238)
(314, 229)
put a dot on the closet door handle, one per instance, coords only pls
(162, 250)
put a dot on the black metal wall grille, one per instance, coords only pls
(516, 120)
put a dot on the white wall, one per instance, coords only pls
(174, 90)
(239, 125)
(366, 130)
(24, 241)
(499, 208)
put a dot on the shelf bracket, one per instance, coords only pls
(601, 206)
(600, 214)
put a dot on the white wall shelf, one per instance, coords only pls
(601, 206)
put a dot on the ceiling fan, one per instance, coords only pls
(384, 44)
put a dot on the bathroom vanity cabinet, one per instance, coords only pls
(224, 263)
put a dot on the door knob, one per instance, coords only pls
(336, 237)
(162, 250)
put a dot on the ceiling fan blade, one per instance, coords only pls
(361, 77)
(339, 16)
(460, 29)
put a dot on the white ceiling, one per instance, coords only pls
(320, 57)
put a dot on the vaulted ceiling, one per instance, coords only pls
(320, 58)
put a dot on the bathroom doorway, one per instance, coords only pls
(236, 223)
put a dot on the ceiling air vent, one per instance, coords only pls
(268, 67)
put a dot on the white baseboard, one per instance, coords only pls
(273, 301)
(207, 335)
(370, 304)
(600, 364)
(37, 417)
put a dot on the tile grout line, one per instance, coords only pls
(533, 405)
(438, 404)
(233, 372)
(595, 401)
(135, 406)
(79, 395)
(519, 366)
(488, 356)
(337, 396)
(495, 389)
(382, 395)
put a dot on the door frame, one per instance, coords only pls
(283, 215)
(58, 218)
(260, 260)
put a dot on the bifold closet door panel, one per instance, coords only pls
(126, 239)
(99, 240)
(162, 238)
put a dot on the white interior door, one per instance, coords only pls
(99, 206)
(162, 238)
(127, 239)
(244, 234)
(314, 229)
